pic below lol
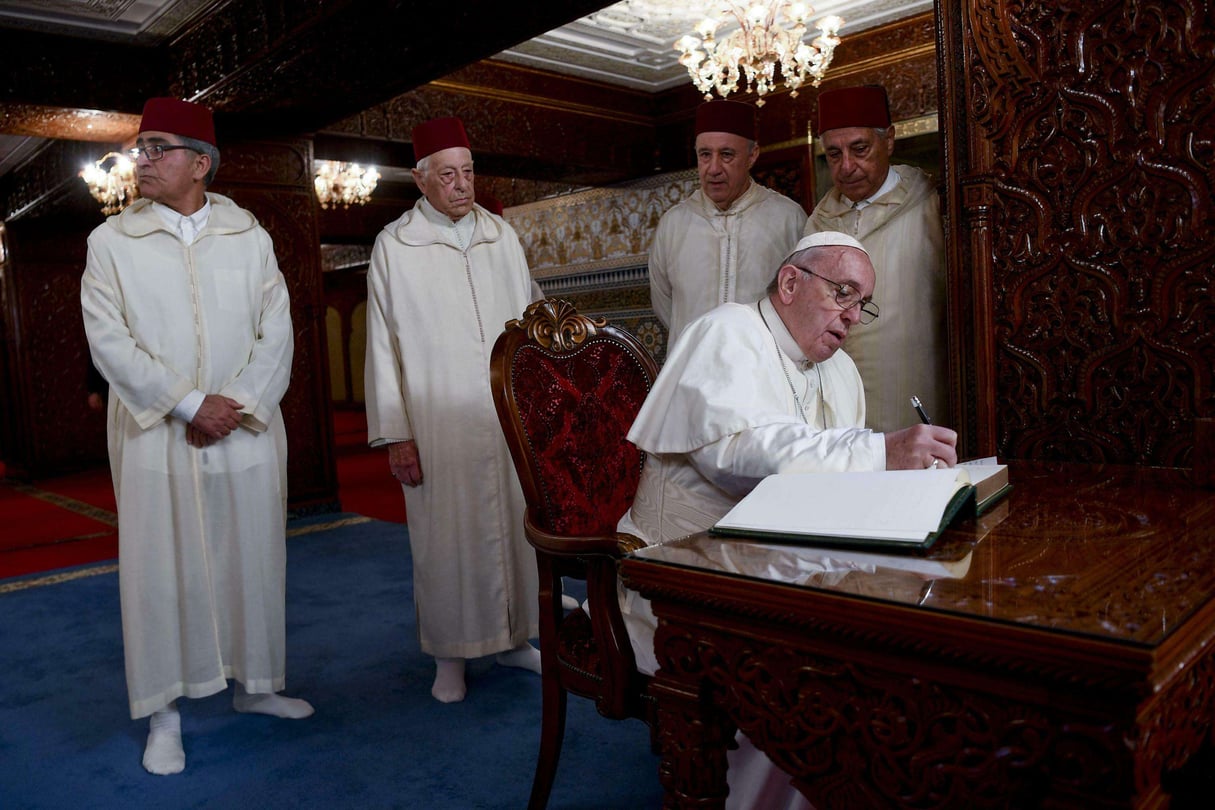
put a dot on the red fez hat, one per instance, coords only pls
(177, 117)
(438, 134)
(864, 106)
(721, 115)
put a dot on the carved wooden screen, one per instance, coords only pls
(1080, 141)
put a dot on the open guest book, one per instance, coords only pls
(905, 509)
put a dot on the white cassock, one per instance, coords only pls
(434, 309)
(902, 353)
(202, 558)
(702, 256)
(738, 400)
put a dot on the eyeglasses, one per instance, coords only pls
(846, 297)
(155, 151)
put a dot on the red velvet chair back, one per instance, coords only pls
(572, 388)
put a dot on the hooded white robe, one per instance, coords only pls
(702, 256)
(904, 352)
(202, 557)
(434, 311)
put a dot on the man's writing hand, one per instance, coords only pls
(916, 447)
(217, 416)
(405, 463)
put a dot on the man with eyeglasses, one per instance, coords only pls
(188, 319)
(754, 389)
(895, 212)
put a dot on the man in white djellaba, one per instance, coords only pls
(721, 243)
(444, 279)
(187, 317)
(754, 389)
(895, 212)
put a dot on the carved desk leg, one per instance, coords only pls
(1175, 725)
(693, 734)
(693, 739)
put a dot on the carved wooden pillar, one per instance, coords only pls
(274, 181)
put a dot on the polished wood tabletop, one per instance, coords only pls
(1086, 597)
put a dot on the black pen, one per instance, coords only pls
(915, 403)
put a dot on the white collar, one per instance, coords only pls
(187, 226)
(892, 180)
(781, 334)
(461, 229)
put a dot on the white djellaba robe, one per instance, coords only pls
(202, 542)
(903, 353)
(702, 256)
(737, 400)
(434, 310)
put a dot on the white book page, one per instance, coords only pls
(895, 504)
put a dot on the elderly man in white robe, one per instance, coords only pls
(444, 279)
(895, 212)
(188, 319)
(755, 389)
(721, 243)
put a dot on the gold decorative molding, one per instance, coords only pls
(921, 125)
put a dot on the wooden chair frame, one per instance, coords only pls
(589, 656)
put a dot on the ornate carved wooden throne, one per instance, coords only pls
(567, 388)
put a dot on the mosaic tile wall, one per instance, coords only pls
(591, 249)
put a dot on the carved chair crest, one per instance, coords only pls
(556, 325)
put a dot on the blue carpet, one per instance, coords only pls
(377, 740)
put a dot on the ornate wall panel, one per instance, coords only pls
(49, 428)
(517, 135)
(1086, 147)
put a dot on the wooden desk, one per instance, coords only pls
(1057, 652)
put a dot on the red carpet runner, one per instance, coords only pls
(72, 520)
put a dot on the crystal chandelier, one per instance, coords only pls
(344, 184)
(111, 181)
(757, 47)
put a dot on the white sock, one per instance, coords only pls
(163, 754)
(449, 680)
(271, 704)
(525, 656)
